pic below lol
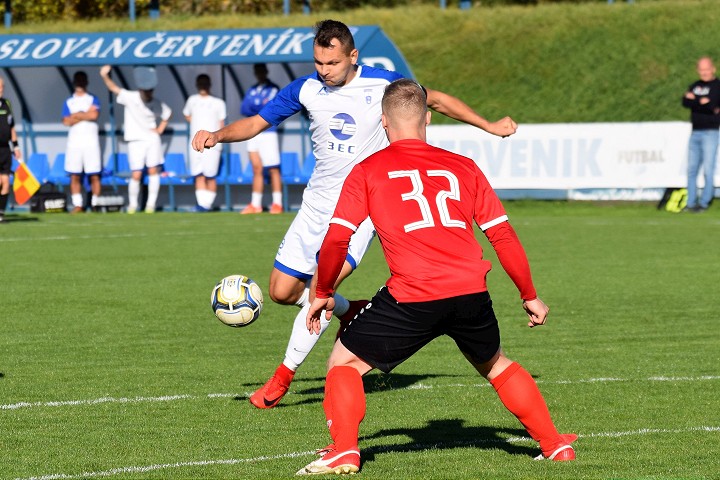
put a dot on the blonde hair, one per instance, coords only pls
(404, 97)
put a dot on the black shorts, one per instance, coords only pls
(387, 333)
(5, 161)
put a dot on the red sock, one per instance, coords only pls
(284, 375)
(520, 395)
(344, 406)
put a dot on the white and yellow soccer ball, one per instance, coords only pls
(236, 300)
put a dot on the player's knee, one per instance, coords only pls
(282, 296)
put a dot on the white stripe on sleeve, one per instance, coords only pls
(492, 223)
(344, 223)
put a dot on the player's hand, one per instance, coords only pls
(537, 312)
(18, 155)
(316, 310)
(204, 139)
(105, 70)
(503, 128)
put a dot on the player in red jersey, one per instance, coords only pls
(423, 202)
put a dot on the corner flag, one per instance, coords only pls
(25, 184)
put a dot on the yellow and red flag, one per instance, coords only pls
(25, 184)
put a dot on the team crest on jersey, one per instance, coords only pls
(368, 96)
(343, 126)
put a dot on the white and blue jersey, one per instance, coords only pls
(84, 131)
(257, 97)
(344, 123)
(346, 128)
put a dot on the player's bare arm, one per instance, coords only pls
(91, 115)
(457, 109)
(161, 128)
(109, 83)
(238, 131)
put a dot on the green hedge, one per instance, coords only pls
(46, 10)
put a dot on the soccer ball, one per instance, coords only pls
(236, 300)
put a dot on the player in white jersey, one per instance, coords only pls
(146, 118)
(205, 112)
(343, 100)
(82, 154)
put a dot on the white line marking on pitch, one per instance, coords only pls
(418, 386)
(236, 461)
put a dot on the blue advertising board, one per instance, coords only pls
(192, 47)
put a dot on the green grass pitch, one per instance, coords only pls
(113, 366)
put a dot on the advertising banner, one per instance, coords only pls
(577, 155)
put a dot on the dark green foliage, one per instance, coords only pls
(44, 10)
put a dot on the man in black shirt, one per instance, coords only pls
(703, 100)
(8, 136)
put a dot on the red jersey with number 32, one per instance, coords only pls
(423, 202)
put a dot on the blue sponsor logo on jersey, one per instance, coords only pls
(343, 126)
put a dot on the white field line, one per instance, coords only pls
(414, 447)
(70, 237)
(417, 386)
(102, 236)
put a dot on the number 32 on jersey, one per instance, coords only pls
(417, 195)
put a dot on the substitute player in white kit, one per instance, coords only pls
(343, 102)
(205, 112)
(146, 118)
(82, 154)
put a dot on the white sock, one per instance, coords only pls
(153, 190)
(133, 193)
(205, 198)
(277, 198)
(77, 199)
(94, 200)
(256, 199)
(303, 300)
(209, 199)
(301, 340)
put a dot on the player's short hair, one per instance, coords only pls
(327, 30)
(260, 68)
(405, 97)
(80, 79)
(202, 82)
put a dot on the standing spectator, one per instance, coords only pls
(82, 155)
(264, 149)
(205, 112)
(423, 202)
(8, 138)
(146, 118)
(703, 100)
(342, 98)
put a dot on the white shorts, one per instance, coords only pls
(268, 146)
(205, 163)
(297, 255)
(83, 159)
(145, 153)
